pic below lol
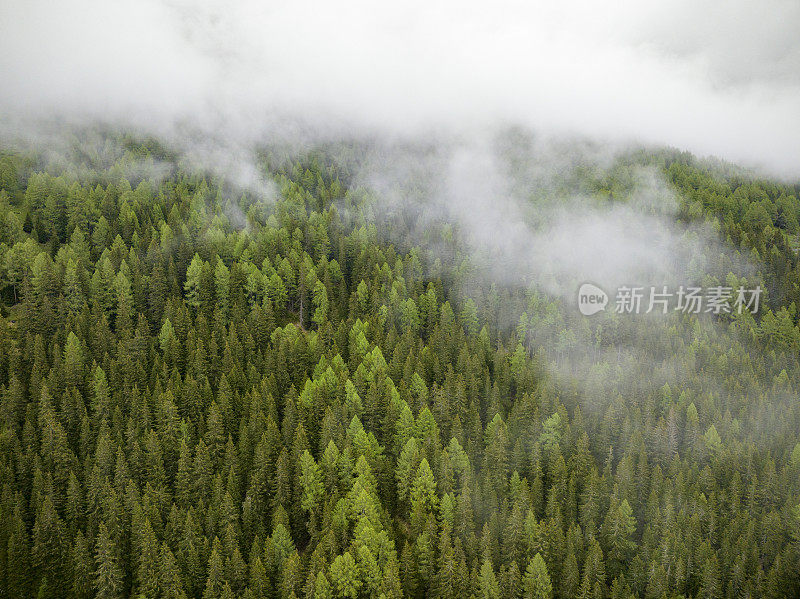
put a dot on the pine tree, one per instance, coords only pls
(536, 584)
(82, 568)
(108, 582)
(192, 285)
(618, 528)
(489, 587)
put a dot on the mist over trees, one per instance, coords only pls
(205, 394)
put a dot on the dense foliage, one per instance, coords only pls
(204, 395)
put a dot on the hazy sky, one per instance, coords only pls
(713, 77)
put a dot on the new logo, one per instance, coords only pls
(591, 299)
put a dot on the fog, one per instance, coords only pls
(514, 205)
(430, 85)
(719, 78)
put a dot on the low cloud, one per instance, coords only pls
(718, 78)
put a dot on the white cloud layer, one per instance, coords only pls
(713, 77)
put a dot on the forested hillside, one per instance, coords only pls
(204, 394)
